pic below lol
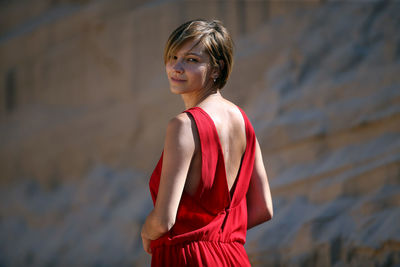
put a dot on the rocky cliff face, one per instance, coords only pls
(326, 107)
(84, 106)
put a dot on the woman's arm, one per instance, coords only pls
(179, 148)
(259, 201)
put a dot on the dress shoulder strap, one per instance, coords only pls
(213, 178)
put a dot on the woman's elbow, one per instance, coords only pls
(269, 216)
(270, 213)
(258, 216)
(266, 216)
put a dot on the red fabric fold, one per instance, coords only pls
(210, 227)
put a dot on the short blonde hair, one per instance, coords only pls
(215, 38)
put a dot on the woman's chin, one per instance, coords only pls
(176, 91)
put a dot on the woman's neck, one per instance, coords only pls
(194, 99)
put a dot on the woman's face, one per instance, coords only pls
(189, 70)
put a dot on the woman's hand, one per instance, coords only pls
(146, 243)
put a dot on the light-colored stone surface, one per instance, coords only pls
(320, 82)
(325, 105)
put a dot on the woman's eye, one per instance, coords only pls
(192, 59)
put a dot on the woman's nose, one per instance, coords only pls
(178, 66)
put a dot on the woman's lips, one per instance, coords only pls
(177, 80)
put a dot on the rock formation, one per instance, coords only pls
(84, 103)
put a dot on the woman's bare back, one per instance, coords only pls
(230, 126)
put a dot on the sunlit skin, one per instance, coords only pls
(191, 75)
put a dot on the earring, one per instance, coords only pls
(215, 80)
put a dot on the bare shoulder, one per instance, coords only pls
(180, 121)
(234, 109)
(181, 130)
(233, 112)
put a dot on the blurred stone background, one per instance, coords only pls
(84, 102)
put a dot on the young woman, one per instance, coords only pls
(210, 184)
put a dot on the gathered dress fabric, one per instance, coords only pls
(210, 226)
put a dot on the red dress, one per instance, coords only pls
(210, 227)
